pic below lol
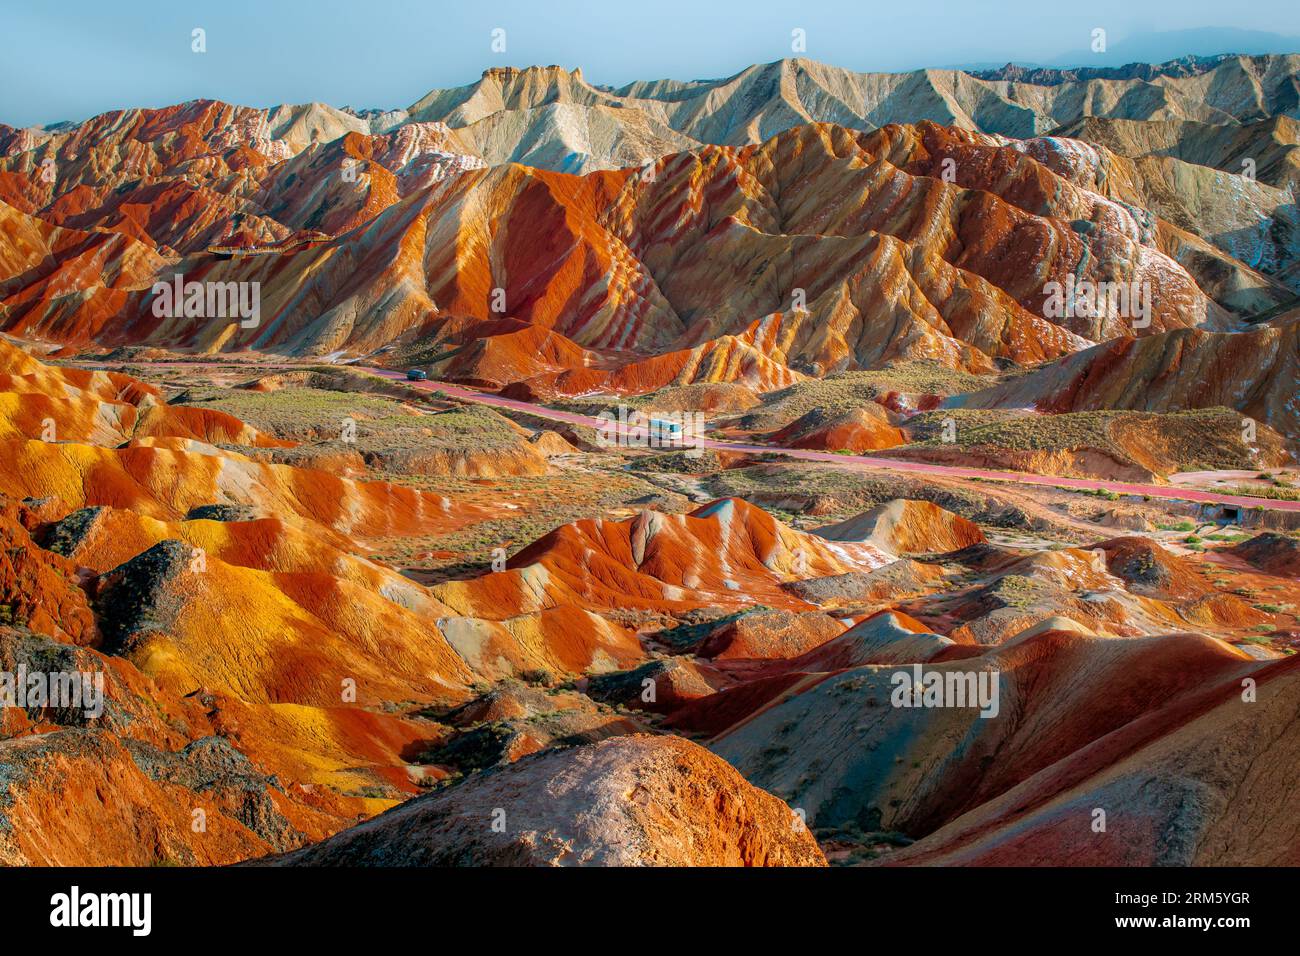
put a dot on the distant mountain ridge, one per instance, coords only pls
(654, 234)
(1054, 76)
(1164, 46)
(553, 118)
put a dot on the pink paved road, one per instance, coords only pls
(853, 462)
(858, 462)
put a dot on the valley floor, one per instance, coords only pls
(318, 594)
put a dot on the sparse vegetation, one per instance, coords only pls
(313, 414)
(845, 391)
(1192, 440)
(1275, 492)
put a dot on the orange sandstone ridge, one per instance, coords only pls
(256, 666)
(821, 249)
(303, 643)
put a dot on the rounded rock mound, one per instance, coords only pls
(905, 526)
(626, 801)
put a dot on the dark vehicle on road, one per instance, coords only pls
(416, 375)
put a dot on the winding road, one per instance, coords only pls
(860, 462)
(853, 462)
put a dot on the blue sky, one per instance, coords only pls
(69, 59)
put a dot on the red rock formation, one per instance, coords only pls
(907, 527)
(560, 641)
(243, 660)
(770, 635)
(38, 589)
(1270, 552)
(819, 249)
(628, 801)
(1048, 710)
(862, 429)
(1251, 372)
(1211, 751)
(727, 553)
